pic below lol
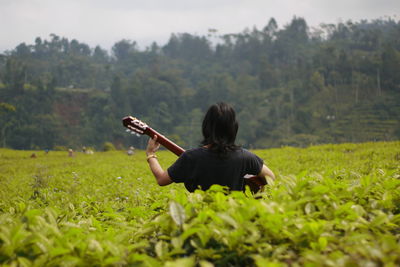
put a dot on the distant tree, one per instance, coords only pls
(271, 28)
(5, 119)
(123, 48)
(117, 94)
(188, 47)
(100, 55)
(14, 76)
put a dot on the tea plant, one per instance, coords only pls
(331, 205)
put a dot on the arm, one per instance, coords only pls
(267, 177)
(161, 176)
(265, 171)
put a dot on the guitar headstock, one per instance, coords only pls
(134, 125)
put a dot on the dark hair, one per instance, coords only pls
(220, 128)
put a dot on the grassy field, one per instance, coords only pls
(331, 205)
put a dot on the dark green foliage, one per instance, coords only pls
(289, 86)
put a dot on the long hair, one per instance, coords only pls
(220, 128)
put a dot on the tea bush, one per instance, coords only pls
(331, 205)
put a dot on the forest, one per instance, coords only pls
(291, 85)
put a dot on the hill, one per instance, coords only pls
(290, 85)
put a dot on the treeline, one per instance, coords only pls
(290, 85)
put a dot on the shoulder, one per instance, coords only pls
(248, 155)
(194, 152)
(244, 152)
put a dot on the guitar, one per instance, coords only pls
(136, 126)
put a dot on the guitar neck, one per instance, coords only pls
(168, 144)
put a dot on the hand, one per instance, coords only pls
(152, 146)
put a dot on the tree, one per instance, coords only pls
(15, 75)
(117, 93)
(123, 49)
(100, 55)
(5, 119)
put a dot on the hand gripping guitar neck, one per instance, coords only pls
(136, 126)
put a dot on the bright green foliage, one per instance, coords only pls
(331, 205)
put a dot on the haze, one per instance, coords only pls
(102, 22)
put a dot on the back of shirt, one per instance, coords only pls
(201, 168)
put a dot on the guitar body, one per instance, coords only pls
(136, 126)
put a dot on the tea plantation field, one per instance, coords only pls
(331, 205)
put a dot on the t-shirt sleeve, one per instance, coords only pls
(179, 170)
(254, 163)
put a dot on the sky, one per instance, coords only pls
(105, 22)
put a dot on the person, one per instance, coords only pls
(87, 151)
(131, 151)
(217, 161)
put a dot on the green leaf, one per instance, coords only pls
(22, 261)
(177, 213)
(323, 242)
(320, 189)
(184, 262)
(228, 219)
(58, 251)
(206, 264)
(265, 262)
(309, 208)
(160, 248)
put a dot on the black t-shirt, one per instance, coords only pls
(201, 168)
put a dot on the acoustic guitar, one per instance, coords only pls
(136, 126)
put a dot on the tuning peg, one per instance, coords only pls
(138, 135)
(132, 132)
(128, 131)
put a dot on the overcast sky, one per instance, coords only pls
(104, 22)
